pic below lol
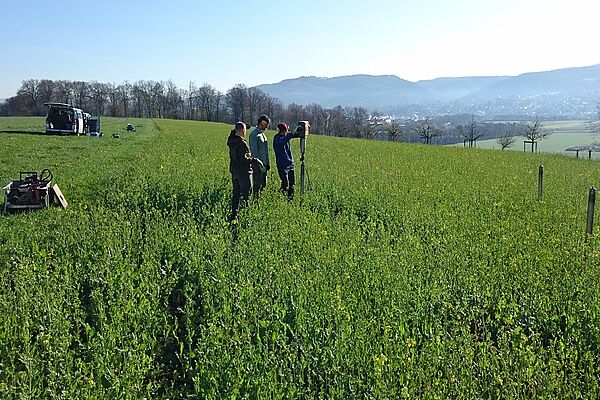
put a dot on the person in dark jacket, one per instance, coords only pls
(240, 166)
(285, 159)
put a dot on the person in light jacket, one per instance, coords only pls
(259, 148)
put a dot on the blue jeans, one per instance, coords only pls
(288, 180)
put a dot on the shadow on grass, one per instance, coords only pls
(22, 132)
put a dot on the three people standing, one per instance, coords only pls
(249, 164)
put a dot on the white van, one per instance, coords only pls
(65, 119)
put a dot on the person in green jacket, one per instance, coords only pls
(259, 147)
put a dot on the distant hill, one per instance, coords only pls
(373, 91)
(570, 81)
(385, 91)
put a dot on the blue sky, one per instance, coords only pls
(227, 42)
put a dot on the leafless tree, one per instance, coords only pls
(29, 90)
(471, 132)
(236, 99)
(427, 131)
(62, 91)
(125, 95)
(205, 99)
(81, 92)
(358, 118)
(273, 108)
(373, 125)
(534, 132)
(506, 140)
(394, 130)
(255, 102)
(594, 125)
(317, 117)
(140, 102)
(338, 122)
(98, 96)
(114, 102)
(46, 93)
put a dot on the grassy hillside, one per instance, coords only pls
(564, 134)
(405, 271)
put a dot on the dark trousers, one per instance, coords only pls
(242, 185)
(288, 180)
(259, 180)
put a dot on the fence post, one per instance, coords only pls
(590, 211)
(540, 182)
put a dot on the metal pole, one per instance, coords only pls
(305, 128)
(302, 167)
(540, 182)
(590, 211)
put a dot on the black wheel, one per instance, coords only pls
(46, 175)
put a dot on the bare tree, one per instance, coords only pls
(140, 99)
(81, 93)
(427, 131)
(255, 103)
(205, 96)
(594, 125)
(394, 130)
(98, 96)
(125, 97)
(506, 140)
(338, 122)
(114, 103)
(471, 132)
(62, 91)
(46, 93)
(534, 132)
(236, 99)
(172, 102)
(358, 119)
(317, 117)
(373, 125)
(29, 90)
(273, 108)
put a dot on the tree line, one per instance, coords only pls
(163, 99)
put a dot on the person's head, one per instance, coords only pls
(240, 129)
(263, 122)
(283, 128)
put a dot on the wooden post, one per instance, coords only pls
(590, 211)
(540, 182)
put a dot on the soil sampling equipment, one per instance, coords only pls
(303, 130)
(31, 192)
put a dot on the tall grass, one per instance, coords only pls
(405, 271)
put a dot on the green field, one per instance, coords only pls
(564, 134)
(406, 271)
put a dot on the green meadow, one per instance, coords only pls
(564, 134)
(404, 271)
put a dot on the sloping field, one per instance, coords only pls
(406, 271)
(564, 134)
